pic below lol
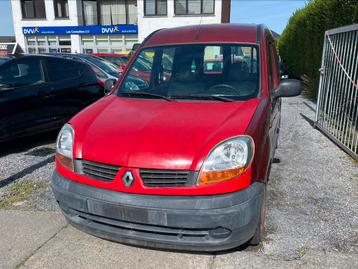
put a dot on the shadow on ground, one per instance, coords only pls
(24, 144)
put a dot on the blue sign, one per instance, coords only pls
(82, 30)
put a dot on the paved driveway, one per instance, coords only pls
(312, 216)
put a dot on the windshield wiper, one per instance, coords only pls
(148, 94)
(205, 97)
(221, 98)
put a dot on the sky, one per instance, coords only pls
(6, 27)
(274, 14)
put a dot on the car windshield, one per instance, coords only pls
(195, 72)
(106, 66)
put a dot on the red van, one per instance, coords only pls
(178, 156)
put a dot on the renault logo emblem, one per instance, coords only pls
(128, 179)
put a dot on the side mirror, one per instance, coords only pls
(108, 85)
(289, 88)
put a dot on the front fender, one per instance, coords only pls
(258, 129)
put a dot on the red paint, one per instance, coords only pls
(138, 187)
(161, 134)
(109, 54)
(208, 33)
(101, 82)
(138, 133)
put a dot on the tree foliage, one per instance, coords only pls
(301, 43)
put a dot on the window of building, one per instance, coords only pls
(90, 14)
(32, 50)
(64, 42)
(113, 12)
(33, 9)
(155, 7)
(132, 13)
(118, 12)
(194, 7)
(110, 12)
(102, 40)
(44, 44)
(61, 8)
(107, 43)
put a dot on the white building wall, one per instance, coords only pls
(73, 20)
(148, 24)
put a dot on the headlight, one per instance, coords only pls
(227, 160)
(64, 146)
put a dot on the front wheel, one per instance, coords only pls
(260, 230)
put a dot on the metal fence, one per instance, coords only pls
(336, 114)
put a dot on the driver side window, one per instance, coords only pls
(22, 73)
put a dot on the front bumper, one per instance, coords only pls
(198, 223)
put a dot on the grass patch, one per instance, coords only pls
(302, 250)
(20, 191)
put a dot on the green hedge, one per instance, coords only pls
(301, 43)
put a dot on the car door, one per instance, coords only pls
(24, 97)
(64, 79)
(73, 88)
(273, 77)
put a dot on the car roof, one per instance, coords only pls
(206, 33)
(22, 56)
(40, 55)
(109, 54)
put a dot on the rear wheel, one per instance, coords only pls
(260, 230)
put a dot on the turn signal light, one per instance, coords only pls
(211, 177)
(65, 161)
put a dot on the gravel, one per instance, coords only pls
(312, 192)
(29, 159)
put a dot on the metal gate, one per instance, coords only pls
(336, 114)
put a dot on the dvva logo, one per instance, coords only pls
(31, 31)
(110, 30)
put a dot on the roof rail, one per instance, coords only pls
(150, 35)
(258, 32)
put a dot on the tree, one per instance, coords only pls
(301, 43)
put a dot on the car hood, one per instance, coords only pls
(142, 133)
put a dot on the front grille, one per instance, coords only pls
(167, 178)
(98, 171)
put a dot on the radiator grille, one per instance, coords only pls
(166, 178)
(99, 171)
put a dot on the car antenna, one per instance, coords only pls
(198, 32)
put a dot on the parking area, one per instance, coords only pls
(312, 215)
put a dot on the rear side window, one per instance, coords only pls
(59, 69)
(116, 60)
(99, 73)
(23, 72)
